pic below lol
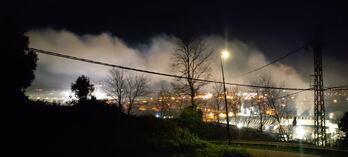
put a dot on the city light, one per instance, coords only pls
(208, 96)
(299, 133)
(239, 125)
(142, 108)
(331, 115)
(222, 115)
(211, 115)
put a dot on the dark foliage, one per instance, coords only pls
(17, 61)
(343, 125)
(93, 127)
(191, 118)
(18, 65)
(82, 88)
(90, 126)
(218, 132)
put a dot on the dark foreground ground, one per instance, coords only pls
(90, 127)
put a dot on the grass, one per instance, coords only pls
(295, 149)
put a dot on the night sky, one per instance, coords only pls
(265, 23)
(267, 28)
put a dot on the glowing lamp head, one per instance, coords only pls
(225, 54)
(239, 125)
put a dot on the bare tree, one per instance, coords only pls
(261, 106)
(136, 86)
(260, 102)
(217, 98)
(250, 110)
(248, 120)
(115, 86)
(234, 102)
(190, 60)
(177, 92)
(164, 97)
(275, 108)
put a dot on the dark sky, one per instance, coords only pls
(275, 23)
(273, 27)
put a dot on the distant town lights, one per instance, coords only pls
(331, 115)
(208, 96)
(299, 132)
(222, 115)
(239, 125)
(211, 115)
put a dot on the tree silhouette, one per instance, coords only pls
(129, 87)
(343, 124)
(191, 60)
(217, 94)
(115, 86)
(136, 86)
(163, 98)
(19, 62)
(269, 103)
(234, 103)
(82, 88)
(260, 101)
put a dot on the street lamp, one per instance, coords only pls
(224, 55)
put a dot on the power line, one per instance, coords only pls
(338, 89)
(157, 73)
(270, 63)
(294, 93)
(335, 88)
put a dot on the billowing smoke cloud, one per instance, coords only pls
(57, 73)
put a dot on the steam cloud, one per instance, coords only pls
(57, 73)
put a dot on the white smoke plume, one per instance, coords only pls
(58, 73)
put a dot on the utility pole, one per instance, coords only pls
(319, 106)
(225, 98)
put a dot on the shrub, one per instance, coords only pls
(192, 119)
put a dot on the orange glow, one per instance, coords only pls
(142, 108)
(210, 116)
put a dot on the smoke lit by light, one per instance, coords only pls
(299, 132)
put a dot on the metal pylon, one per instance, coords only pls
(319, 106)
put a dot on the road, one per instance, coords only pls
(271, 153)
(284, 149)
